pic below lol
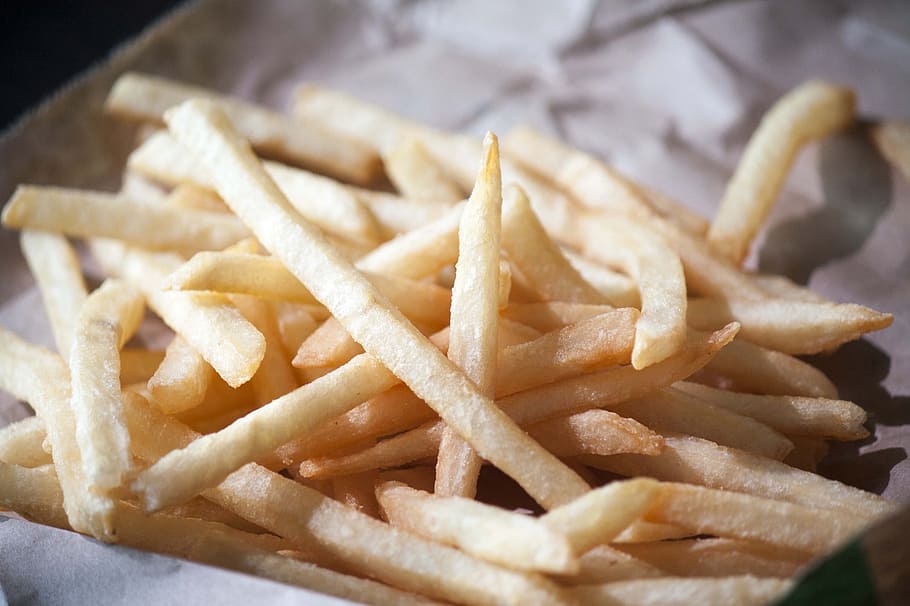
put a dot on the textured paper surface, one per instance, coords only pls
(667, 91)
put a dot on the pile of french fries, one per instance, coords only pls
(345, 360)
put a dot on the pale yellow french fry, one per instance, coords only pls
(745, 590)
(642, 531)
(397, 215)
(603, 564)
(327, 203)
(108, 318)
(37, 376)
(811, 111)
(275, 375)
(192, 197)
(295, 324)
(134, 186)
(490, 533)
(697, 461)
(661, 328)
(208, 321)
(791, 327)
(599, 516)
(417, 175)
(33, 493)
(539, 258)
(143, 97)
(358, 492)
(181, 380)
(741, 516)
(893, 141)
(675, 211)
(718, 557)
(791, 415)
(553, 315)
(670, 411)
(364, 312)
(474, 316)
(84, 213)
(807, 453)
(21, 443)
(785, 288)
(755, 369)
(56, 270)
(137, 364)
(618, 289)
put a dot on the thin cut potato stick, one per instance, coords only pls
(743, 590)
(618, 289)
(144, 97)
(599, 516)
(295, 324)
(791, 415)
(642, 531)
(807, 453)
(474, 316)
(181, 380)
(32, 492)
(21, 443)
(672, 411)
(604, 564)
(397, 215)
(811, 111)
(35, 375)
(55, 267)
(539, 258)
(756, 369)
(137, 364)
(661, 328)
(741, 516)
(490, 533)
(108, 318)
(363, 310)
(192, 197)
(357, 492)
(718, 557)
(553, 315)
(208, 321)
(697, 461)
(417, 175)
(84, 213)
(893, 141)
(675, 211)
(791, 327)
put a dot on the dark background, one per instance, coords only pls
(44, 44)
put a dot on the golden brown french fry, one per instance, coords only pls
(108, 318)
(181, 380)
(746, 590)
(539, 258)
(599, 516)
(364, 312)
(807, 453)
(697, 461)
(791, 327)
(357, 491)
(791, 415)
(893, 141)
(37, 376)
(670, 411)
(143, 97)
(718, 557)
(755, 369)
(21, 443)
(811, 111)
(490, 533)
(208, 321)
(55, 267)
(417, 175)
(474, 316)
(84, 213)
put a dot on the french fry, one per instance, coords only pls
(397, 215)
(496, 535)
(142, 97)
(604, 564)
(746, 590)
(791, 327)
(807, 453)
(417, 175)
(756, 369)
(474, 316)
(32, 492)
(192, 197)
(295, 324)
(791, 415)
(108, 318)
(208, 322)
(137, 364)
(21, 443)
(618, 289)
(642, 531)
(718, 557)
(181, 380)
(811, 111)
(55, 267)
(893, 141)
(670, 411)
(362, 310)
(357, 492)
(84, 213)
(275, 375)
(697, 461)
(599, 516)
(539, 258)
(553, 315)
